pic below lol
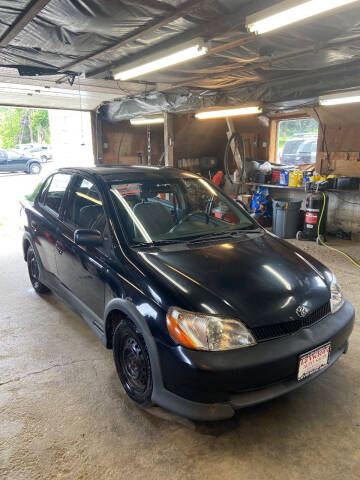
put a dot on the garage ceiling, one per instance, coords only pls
(62, 37)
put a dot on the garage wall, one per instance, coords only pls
(202, 138)
(122, 142)
(341, 125)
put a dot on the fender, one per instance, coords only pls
(28, 238)
(135, 316)
(160, 395)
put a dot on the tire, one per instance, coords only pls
(299, 235)
(132, 362)
(34, 270)
(35, 168)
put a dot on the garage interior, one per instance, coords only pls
(63, 411)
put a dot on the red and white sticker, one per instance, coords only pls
(313, 361)
(311, 217)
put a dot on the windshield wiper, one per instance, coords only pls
(159, 243)
(215, 235)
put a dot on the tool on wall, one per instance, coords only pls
(236, 143)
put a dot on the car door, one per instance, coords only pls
(44, 223)
(83, 270)
(3, 161)
(16, 162)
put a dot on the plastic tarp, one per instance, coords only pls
(291, 64)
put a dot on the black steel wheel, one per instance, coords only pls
(34, 272)
(132, 362)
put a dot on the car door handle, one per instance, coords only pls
(34, 225)
(59, 247)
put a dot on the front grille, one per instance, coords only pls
(279, 329)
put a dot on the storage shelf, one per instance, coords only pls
(299, 189)
(271, 185)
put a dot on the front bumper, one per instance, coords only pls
(212, 385)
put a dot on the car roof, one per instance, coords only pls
(113, 173)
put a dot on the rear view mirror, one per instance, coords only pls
(88, 238)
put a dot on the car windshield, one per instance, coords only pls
(176, 209)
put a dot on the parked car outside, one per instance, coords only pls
(205, 314)
(36, 150)
(15, 161)
(299, 149)
(41, 152)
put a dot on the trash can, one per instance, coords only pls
(285, 218)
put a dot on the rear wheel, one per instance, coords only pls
(132, 362)
(34, 272)
(35, 168)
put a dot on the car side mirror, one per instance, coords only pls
(88, 238)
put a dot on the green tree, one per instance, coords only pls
(23, 125)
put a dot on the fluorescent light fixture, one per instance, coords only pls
(166, 59)
(340, 98)
(288, 12)
(146, 120)
(228, 112)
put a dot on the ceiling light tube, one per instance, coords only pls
(146, 120)
(288, 12)
(228, 112)
(340, 98)
(165, 59)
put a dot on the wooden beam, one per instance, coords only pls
(22, 20)
(169, 139)
(140, 32)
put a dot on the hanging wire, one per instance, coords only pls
(82, 143)
(148, 137)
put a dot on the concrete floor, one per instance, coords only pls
(64, 414)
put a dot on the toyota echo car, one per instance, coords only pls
(205, 311)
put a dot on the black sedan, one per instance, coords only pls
(205, 311)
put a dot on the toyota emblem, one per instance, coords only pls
(302, 311)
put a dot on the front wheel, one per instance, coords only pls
(132, 362)
(35, 168)
(34, 272)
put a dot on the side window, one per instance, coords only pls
(56, 191)
(13, 156)
(86, 207)
(44, 190)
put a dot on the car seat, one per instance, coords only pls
(155, 217)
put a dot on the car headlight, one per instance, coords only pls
(207, 332)
(337, 299)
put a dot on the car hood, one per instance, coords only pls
(258, 278)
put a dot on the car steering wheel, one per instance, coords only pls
(188, 216)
